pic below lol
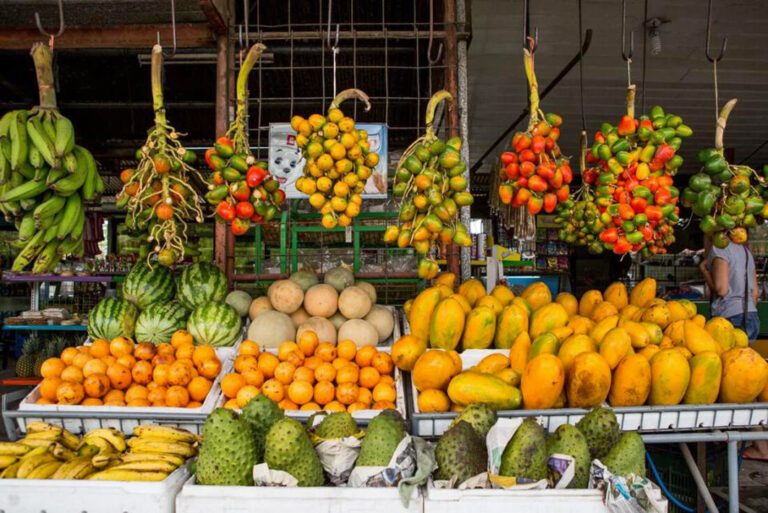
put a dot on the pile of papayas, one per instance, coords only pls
(338, 161)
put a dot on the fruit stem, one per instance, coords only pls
(583, 153)
(722, 119)
(240, 137)
(631, 100)
(157, 85)
(432, 107)
(43, 58)
(351, 93)
(533, 87)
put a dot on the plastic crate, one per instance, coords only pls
(503, 501)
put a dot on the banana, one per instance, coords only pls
(35, 426)
(130, 457)
(13, 449)
(51, 436)
(79, 252)
(70, 162)
(84, 472)
(74, 181)
(148, 465)
(27, 228)
(77, 230)
(71, 214)
(35, 158)
(5, 122)
(27, 171)
(37, 451)
(165, 433)
(68, 246)
(71, 468)
(7, 460)
(30, 251)
(48, 129)
(29, 464)
(65, 136)
(69, 440)
(179, 448)
(47, 258)
(55, 174)
(89, 186)
(45, 470)
(5, 164)
(127, 475)
(27, 205)
(99, 185)
(35, 443)
(63, 453)
(104, 446)
(115, 437)
(18, 135)
(51, 206)
(39, 138)
(10, 471)
(26, 190)
(103, 460)
(86, 450)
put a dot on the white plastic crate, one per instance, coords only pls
(503, 501)
(195, 498)
(68, 496)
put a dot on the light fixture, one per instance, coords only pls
(654, 33)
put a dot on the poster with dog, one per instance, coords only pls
(286, 163)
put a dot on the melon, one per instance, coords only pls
(337, 320)
(159, 321)
(299, 316)
(382, 319)
(215, 324)
(369, 289)
(259, 306)
(199, 284)
(321, 300)
(339, 278)
(285, 296)
(145, 285)
(360, 332)
(112, 318)
(240, 300)
(354, 303)
(323, 328)
(271, 328)
(304, 279)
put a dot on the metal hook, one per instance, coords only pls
(432, 61)
(330, 46)
(534, 41)
(709, 29)
(61, 22)
(624, 34)
(173, 31)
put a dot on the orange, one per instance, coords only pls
(273, 389)
(384, 405)
(287, 404)
(433, 401)
(267, 364)
(157, 394)
(249, 348)
(364, 396)
(135, 392)
(383, 392)
(145, 351)
(43, 400)
(284, 372)
(313, 362)
(290, 352)
(181, 337)
(142, 372)
(433, 369)
(120, 346)
(116, 403)
(138, 403)
(253, 377)
(304, 374)
(93, 366)
(326, 351)
(48, 388)
(245, 361)
(232, 404)
(203, 353)
(389, 380)
(81, 359)
(300, 392)
(83, 349)
(335, 406)
(338, 363)
(245, 394)
(88, 401)
(180, 373)
(210, 368)
(166, 349)
(177, 397)
(127, 360)
(231, 384)
(310, 406)
(324, 392)
(109, 360)
(195, 404)
(308, 342)
(347, 374)
(382, 362)
(52, 367)
(96, 385)
(199, 388)
(68, 355)
(160, 374)
(119, 376)
(99, 348)
(113, 396)
(159, 359)
(346, 393)
(365, 356)
(72, 374)
(184, 351)
(346, 349)
(356, 406)
(325, 372)
(70, 393)
(369, 377)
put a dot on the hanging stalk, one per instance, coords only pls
(722, 120)
(348, 94)
(533, 87)
(238, 130)
(43, 58)
(631, 89)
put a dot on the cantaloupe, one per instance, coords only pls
(337, 320)
(299, 317)
(360, 332)
(240, 300)
(382, 319)
(321, 300)
(285, 296)
(259, 306)
(305, 279)
(271, 328)
(368, 288)
(339, 278)
(354, 303)
(323, 328)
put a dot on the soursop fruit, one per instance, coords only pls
(567, 439)
(289, 448)
(627, 456)
(261, 413)
(479, 415)
(337, 425)
(601, 429)
(461, 453)
(382, 437)
(526, 452)
(228, 452)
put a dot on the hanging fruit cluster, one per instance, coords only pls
(242, 189)
(534, 172)
(632, 168)
(430, 181)
(727, 197)
(158, 194)
(338, 161)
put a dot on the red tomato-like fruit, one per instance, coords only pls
(226, 211)
(244, 209)
(240, 226)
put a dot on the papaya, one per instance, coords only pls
(589, 300)
(407, 350)
(480, 328)
(763, 396)
(745, 373)
(407, 307)
(503, 294)
(458, 365)
(569, 302)
(463, 302)
(574, 346)
(637, 334)
(447, 324)
(447, 279)
(699, 320)
(684, 351)
(676, 311)
(616, 293)
(697, 340)
(603, 310)
(542, 382)
(509, 377)
(421, 312)
(562, 333)
(666, 343)
(473, 290)
(546, 343)
(561, 400)
(589, 381)
(643, 293)
(518, 353)
(433, 401)
(648, 351)
(537, 294)
(547, 318)
(657, 301)
(676, 332)
(689, 306)
(475, 387)
(615, 345)
(670, 374)
(706, 374)
(445, 291)
(580, 325)
(433, 369)
(628, 312)
(740, 338)
(638, 315)
(492, 363)
(601, 328)
(721, 330)
(523, 304)
(512, 321)
(654, 332)
(631, 382)
(491, 302)
(657, 314)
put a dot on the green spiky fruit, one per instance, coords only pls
(261, 413)
(228, 452)
(479, 415)
(382, 437)
(601, 430)
(288, 448)
(337, 425)
(461, 453)
(526, 452)
(567, 439)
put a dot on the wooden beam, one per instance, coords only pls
(188, 35)
(221, 231)
(215, 14)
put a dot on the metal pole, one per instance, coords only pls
(701, 484)
(452, 124)
(222, 105)
(733, 476)
(463, 102)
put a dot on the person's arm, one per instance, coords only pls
(755, 289)
(707, 275)
(720, 273)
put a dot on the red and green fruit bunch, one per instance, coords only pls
(534, 172)
(430, 182)
(242, 190)
(158, 195)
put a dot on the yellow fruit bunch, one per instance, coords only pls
(338, 161)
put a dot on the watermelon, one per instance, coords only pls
(157, 323)
(145, 286)
(111, 318)
(200, 284)
(215, 324)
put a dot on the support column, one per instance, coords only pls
(450, 58)
(222, 106)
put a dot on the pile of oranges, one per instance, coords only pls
(122, 373)
(308, 375)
